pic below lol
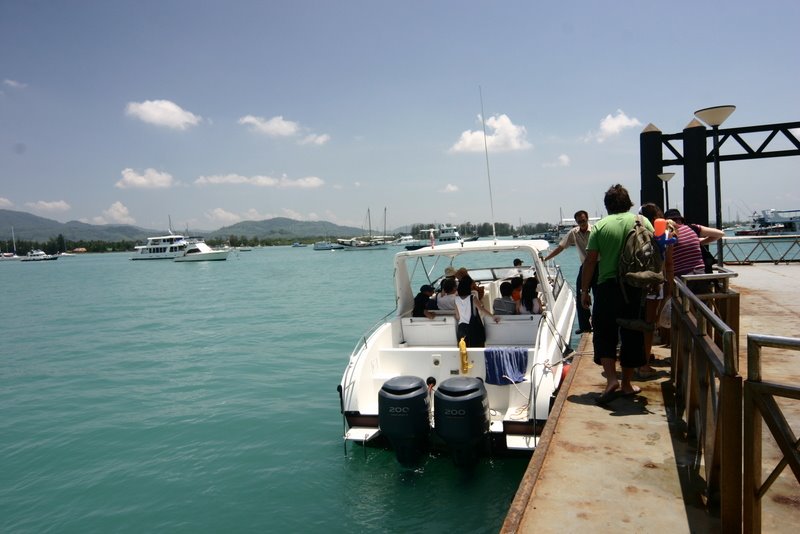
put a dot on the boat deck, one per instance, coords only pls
(626, 466)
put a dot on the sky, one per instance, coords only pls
(210, 113)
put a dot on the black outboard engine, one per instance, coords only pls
(461, 417)
(404, 416)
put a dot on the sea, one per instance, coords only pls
(153, 396)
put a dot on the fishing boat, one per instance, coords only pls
(327, 245)
(773, 222)
(431, 237)
(39, 255)
(198, 250)
(408, 383)
(164, 247)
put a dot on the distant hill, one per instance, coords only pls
(283, 227)
(31, 227)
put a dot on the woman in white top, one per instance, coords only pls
(467, 303)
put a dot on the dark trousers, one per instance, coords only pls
(583, 314)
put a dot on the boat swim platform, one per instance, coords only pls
(627, 466)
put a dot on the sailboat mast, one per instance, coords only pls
(488, 174)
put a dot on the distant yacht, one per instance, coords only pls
(327, 245)
(443, 235)
(198, 250)
(7, 256)
(164, 247)
(39, 255)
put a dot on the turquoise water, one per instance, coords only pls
(201, 397)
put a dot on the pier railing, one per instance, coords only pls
(744, 250)
(760, 405)
(704, 360)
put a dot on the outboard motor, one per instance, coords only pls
(461, 417)
(404, 416)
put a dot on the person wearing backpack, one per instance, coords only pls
(614, 298)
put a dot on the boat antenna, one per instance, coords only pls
(488, 173)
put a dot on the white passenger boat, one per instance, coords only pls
(408, 380)
(198, 250)
(165, 247)
(443, 235)
(39, 255)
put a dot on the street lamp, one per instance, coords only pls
(665, 178)
(714, 117)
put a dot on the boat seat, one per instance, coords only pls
(513, 330)
(437, 332)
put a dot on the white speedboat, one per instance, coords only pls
(443, 235)
(39, 255)
(165, 247)
(403, 240)
(327, 245)
(408, 380)
(198, 250)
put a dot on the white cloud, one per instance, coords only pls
(613, 125)
(162, 113)
(280, 127)
(220, 216)
(117, 213)
(561, 161)
(315, 139)
(55, 206)
(274, 127)
(292, 214)
(450, 188)
(151, 179)
(15, 84)
(5, 203)
(502, 136)
(254, 215)
(309, 182)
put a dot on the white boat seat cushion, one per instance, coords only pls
(421, 331)
(513, 330)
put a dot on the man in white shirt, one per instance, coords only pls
(578, 236)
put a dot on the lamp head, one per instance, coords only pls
(716, 115)
(665, 176)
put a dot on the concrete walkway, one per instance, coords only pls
(626, 466)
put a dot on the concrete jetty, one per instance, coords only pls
(628, 466)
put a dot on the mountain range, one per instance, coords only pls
(31, 227)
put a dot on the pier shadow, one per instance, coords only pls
(699, 516)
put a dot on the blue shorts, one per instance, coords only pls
(609, 305)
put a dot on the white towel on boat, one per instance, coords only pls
(505, 365)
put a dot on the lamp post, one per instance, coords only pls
(665, 177)
(713, 117)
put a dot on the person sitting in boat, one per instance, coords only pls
(516, 288)
(446, 299)
(504, 304)
(529, 303)
(421, 302)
